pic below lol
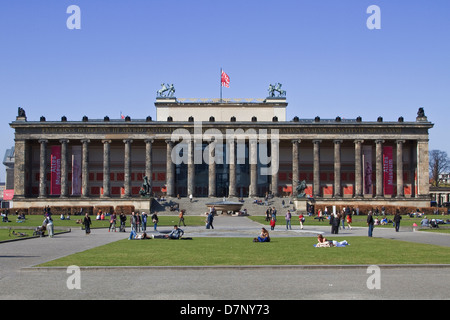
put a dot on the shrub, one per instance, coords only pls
(124, 209)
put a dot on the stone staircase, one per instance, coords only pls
(198, 205)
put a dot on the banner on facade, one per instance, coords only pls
(388, 171)
(367, 169)
(55, 170)
(76, 170)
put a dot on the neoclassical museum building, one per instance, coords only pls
(220, 148)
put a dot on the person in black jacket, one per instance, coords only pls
(370, 223)
(397, 219)
(335, 221)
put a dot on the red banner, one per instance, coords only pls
(388, 171)
(8, 194)
(55, 186)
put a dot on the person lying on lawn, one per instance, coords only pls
(176, 233)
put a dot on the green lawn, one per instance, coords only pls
(242, 251)
(36, 220)
(6, 234)
(357, 221)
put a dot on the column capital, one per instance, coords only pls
(106, 141)
(358, 141)
(400, 141)
(43, 141)
(379, 141)
(296, 141)
(338, 141)
(64, 141)
(149, 140)
(127, 140)
(316, 141)
(85, 141)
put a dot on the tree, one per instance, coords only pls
(439, 163)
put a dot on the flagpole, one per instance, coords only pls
(220, 84)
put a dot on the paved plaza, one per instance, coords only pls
(19, 280)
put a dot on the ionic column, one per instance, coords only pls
(358, 169)
(85, 168)
(148, 161)
(337, 168)
(400, 192)
(43, 168)
(170, 178)
(191, 169)
(274, 154)
(212, 170)
(379, 168)
(295, 164)
(64, 169)
(127, 168)
(232, 169)
(423, 175)
(316, 168)
(106, 168)
(253, 151)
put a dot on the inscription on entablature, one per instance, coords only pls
(169, 129)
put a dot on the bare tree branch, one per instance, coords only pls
(439, 163)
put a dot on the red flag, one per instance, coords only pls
(121, 115)
(225, 80)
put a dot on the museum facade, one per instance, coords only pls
(224, 147)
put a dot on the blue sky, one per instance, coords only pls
(328, 61)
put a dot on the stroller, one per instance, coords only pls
(433, 224)
(39, 231)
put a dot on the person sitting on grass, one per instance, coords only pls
(263, 237)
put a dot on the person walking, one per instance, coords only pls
(138, 222)
(397, 219)
(370, 223)
(335, 220)
(274, 214)
(288, 217)
(50, 226)
(123, 219)
(155, 221)
(144, 221)
(349, 221)
(181, 216)
(273, 222)
(87, 223)
(112, 222)
(133, 222)
(301, 219)
(210, 220)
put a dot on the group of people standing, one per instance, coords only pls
(138, 222)
(341, 217)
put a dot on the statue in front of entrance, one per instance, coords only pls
(301, 189)
(145, 189)
(276, 88)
